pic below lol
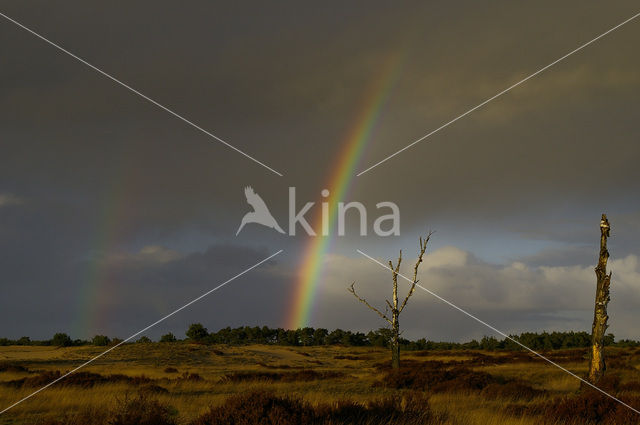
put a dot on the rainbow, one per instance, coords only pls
(338, 184)
(95, 286)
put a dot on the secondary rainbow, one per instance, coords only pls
(339, 182)
(94, 292)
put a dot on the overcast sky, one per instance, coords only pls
(113, 212)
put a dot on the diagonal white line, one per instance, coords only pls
(499, 94)
(131, 89)
(141, 331)
(499, 332)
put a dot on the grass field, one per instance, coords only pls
(180, 382)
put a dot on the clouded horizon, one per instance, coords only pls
(113, 212)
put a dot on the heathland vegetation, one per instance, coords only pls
(253, 375)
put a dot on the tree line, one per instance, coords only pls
(319, 336)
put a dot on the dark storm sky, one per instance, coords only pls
(113, 212)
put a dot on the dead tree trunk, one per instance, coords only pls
(395, 314)
(393, 306)
(600, 317)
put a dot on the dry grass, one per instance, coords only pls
(462, 387)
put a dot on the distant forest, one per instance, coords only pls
(316, 337)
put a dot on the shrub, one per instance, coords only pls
(266, 408)
(144, 340)
(197, 332)
(61, 340)
(633, 386)
(618, 363)
(186, 376)
(258, 408)
(437, 379)
(168, 338)
(411, 408)
(24, 340)
(80, 379)
(142, 410)
(153, 389)
(12, 367)
(297, 376)
(101, 340)
(514, 390)
(170, 370)
(349, 357)
(84, 379)
(590, 406)
(35, 381)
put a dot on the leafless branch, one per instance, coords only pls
(362, 300)
(423, 249)
(389, 304)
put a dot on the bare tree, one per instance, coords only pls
(597, 365)
(393, 306)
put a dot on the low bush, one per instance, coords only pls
(168, 338)
(633, 386)
(138, 410)
(619, 363)
(514, 390)
(12, 367)
(573, 355)
(279, 366)
(142, 410)
(34, 381)
(258, 408)
(437, 379)
(100, 340)
(61, 340)
(265, 408)
(194, 377)
(153, 389)
(590, 407)
(78, 379)
(301, 375)
(349, 357)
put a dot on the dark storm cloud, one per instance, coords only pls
(285, 83)
(135, 289)
(277, 81)
(156, 281)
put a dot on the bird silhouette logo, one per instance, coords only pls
(260, 213)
